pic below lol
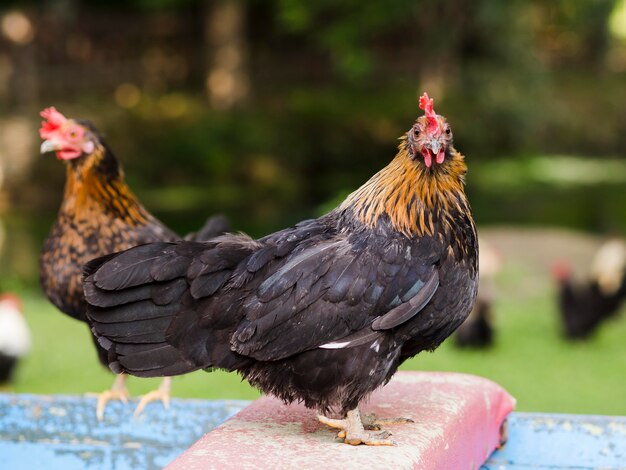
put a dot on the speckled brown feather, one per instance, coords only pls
(98, 215)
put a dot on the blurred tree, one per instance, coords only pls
(334, 84)
(346, 30)
(576, 33)
(227, 79)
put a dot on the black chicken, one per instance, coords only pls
(584, 305)
(98, 215)
(323, 312)
(477, 331)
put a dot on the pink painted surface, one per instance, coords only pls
(457, 426)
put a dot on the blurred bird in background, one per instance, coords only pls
(477, 331)
(323, 312)
(584, 305)
(15, 338)
(98, 215)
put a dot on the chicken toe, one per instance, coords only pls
(353, 432)
(117, 392)
(162, 393)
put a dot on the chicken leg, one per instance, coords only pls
(117, 392)
(353, 431)
(162, 393)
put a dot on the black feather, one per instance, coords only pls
(169, 267)
(407, 310)
(143, 310)
(100, 298)
(208, 284)
(130, 268)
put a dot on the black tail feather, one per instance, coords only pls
(142, 307)
(130, 311)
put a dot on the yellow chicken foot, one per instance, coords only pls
(371, 422)
(162, 393)
(353, 432)
(117, 392)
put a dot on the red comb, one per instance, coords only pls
(52, 123)
(12, 299)
(426, 104)
(561, 270)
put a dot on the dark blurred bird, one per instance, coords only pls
(99, 214)
(477, 331)
(15, 339)
(323, 312)
(584, 305)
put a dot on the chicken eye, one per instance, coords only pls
(416, 131)
(447, 131)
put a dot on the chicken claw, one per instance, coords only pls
(117, 392)
(353, 432)
(162, 393)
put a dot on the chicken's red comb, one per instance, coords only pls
(52, 123)
(12, 299)
(561, 270)
(427, 105)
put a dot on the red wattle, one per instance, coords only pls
(428, 159)
(68, 154)
(440, 157)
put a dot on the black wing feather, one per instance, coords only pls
(421, 293)
(267, 299)
(131, 267)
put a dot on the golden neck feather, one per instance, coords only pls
(88, 191)
(413, 197)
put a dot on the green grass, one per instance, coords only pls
(529, 359)
(544, 372)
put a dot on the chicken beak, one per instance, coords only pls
(435, 146)
(49, 146)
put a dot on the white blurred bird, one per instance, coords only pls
(15, 338)
(609, 265)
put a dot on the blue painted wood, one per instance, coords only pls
(61, 432)
(559, 441)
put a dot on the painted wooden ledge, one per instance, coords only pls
(550, 441)
(61, 432)
(458, 420)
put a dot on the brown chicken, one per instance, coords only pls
(323, 312)
(99, 214)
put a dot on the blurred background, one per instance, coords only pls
(272, 111)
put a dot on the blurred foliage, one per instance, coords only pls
(332, 85)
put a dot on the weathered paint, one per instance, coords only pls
(457, 425)
(559, 441)
(61, 432)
